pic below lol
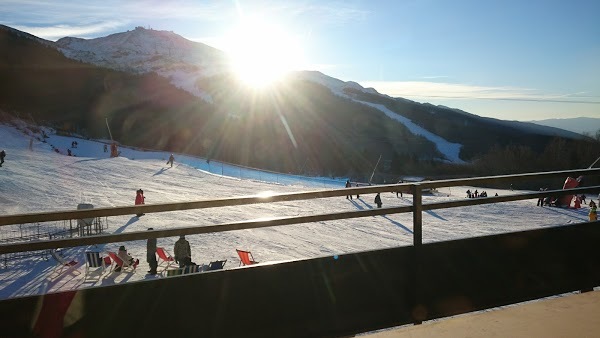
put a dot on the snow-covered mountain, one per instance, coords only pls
(147, 75)
(577, 125)
(146, 50)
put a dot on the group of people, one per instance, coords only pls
(182, 252)
(475, 194)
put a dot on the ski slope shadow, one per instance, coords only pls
(122, 228)
(366, 204)
(398, 224)
(569, 212)
(162, 170)
(87, 160)
(434, 214)
(39, 279)
(358, 206)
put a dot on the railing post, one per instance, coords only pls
(417, 215)
(419, 312)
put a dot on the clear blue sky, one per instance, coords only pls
(509, 59)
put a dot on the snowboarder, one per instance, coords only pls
(378, 200)
(182, 250)
(171, 159)
(348, 185)
(139, 199)
(2, 156)
(151, 255)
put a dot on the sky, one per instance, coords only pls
(512, 60)
(42, 180)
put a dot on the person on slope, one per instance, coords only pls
(593, 212)
(171, 159)
(182, 250)
(2, 156)
(378, 200)
(348, 185)
(139, 199)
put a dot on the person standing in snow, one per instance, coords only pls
(378, 200)
(593, 212)
(139, 199)
(105, 148)
(151, 255)
(182, 250)
(2, 156)
(348, 185)
(171, 159)
(540, 202)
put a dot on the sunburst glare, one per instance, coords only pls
(261, 53)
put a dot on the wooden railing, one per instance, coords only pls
(325, 296)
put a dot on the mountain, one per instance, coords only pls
(577, 125)
(158, 90)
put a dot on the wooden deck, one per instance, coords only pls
(573, 315)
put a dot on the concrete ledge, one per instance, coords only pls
(573, 315)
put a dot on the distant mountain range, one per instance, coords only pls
(159, 90)
(577, 125)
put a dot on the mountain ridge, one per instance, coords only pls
(311, 122)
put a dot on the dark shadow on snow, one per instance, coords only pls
(434, 214)
(162, 170)
(398, 224)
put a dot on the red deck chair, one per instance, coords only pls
(165, 258)
(117, 261)
(245, 257)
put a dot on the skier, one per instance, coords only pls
(2, 156)
(378, 200)
(348, 185)
(139, 199)
(171, 159)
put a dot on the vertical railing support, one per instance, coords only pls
(417, 215)
(419, 312)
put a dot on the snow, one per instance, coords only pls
(42, 180)
(450, 150)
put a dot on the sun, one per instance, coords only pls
(261, 53)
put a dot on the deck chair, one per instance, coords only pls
(62, 263)
(245, 257)
(165, 258)
(117, 261)
(93, 260)
(216, 265)
(174, 272)
(194, 268)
